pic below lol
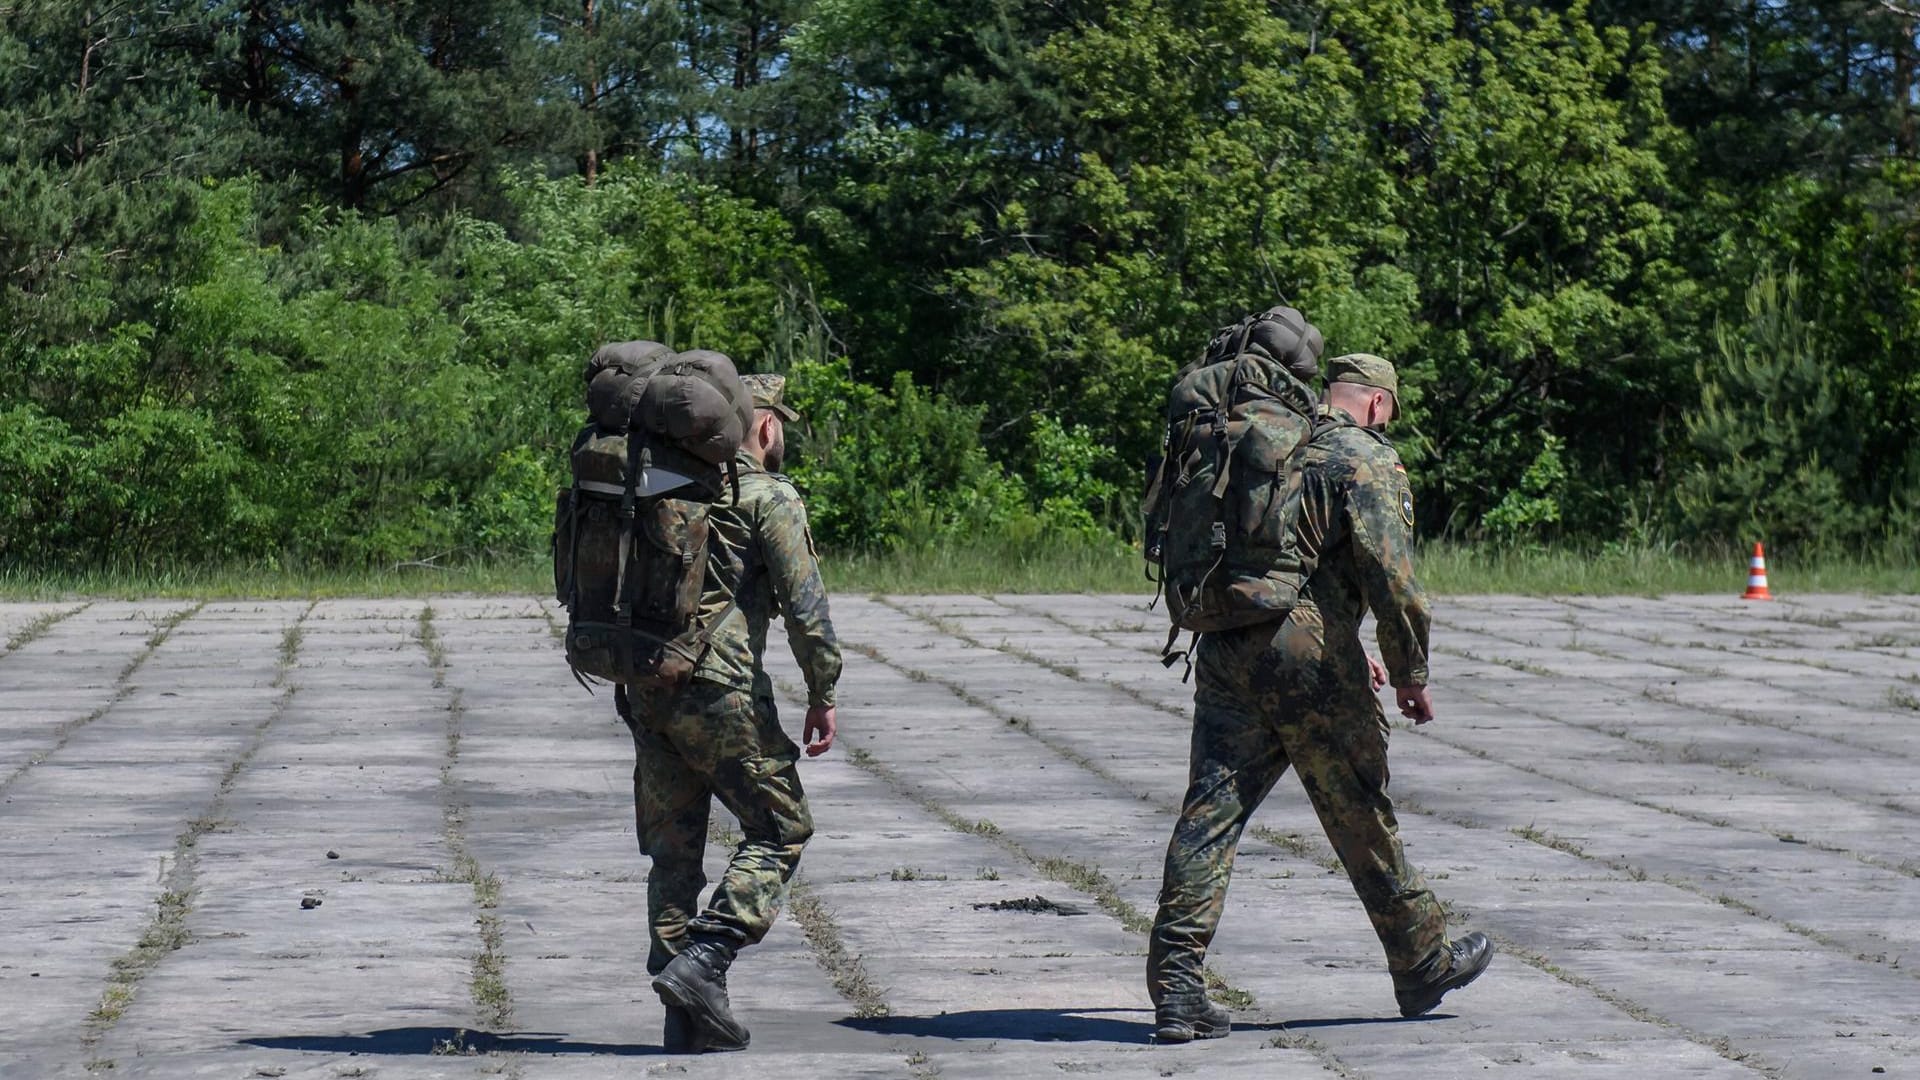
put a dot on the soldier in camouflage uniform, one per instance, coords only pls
(719, 736)
(1298, 693)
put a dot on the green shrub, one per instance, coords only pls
(890, 469)
(1772, 440)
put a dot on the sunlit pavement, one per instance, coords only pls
(395, 839)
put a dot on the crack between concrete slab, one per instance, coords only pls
(555, 629)
(1637, 873)
(1087, 878)
(1306, 851)
(123, 687)
(1738, 650)
(1835, 849)
(1654, 694)
(1896, 696)
(1876, 862)
(1719, 1044)
(1096, 633)
(1906, 869)
(1067, 671)
(1669, 699)
(166, 931)
(487, 983)
(847, 972)
(33, 630)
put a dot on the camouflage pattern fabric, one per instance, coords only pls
(1356, 526)
(1220, 512)
(763, 541)
(703, 741)
(720, 736)
(1295, 693)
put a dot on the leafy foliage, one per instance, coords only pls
(312, 282)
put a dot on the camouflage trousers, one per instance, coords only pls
(1268, 697)
(691, 746)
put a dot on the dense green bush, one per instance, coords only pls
(370, 393)
(907, 469)
(312, 283)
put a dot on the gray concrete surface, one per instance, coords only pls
(1690, 825)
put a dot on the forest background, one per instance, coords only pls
(312, 284)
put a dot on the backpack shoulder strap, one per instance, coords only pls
(572, 587)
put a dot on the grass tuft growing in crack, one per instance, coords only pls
(829, 949)
(487, 979)
(163, 628)
(429, 639)
(487, 983)
(166, 930)
(1298, 846)
(921, 1067)
(290, 640)
(31, 632)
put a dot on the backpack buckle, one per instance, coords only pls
(1219, 538)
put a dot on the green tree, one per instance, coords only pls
(382, 105)
(1775, 440)
(1478, 192)
(617, 61)
(102, 137)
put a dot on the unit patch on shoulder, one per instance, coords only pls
(1406, 505)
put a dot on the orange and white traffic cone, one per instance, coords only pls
(1757, 576)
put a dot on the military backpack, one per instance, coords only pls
(630, 532)
(1221, 508)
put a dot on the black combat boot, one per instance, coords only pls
(1186, 1018)
(696, 980)
(1454, 966)
(680, 1035)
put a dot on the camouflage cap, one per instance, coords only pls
(1367, 370)
(768, 393)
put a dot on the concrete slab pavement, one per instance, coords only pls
(1688, 823)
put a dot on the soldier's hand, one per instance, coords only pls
(820, 730)
(1414, 703)
(1376, 671)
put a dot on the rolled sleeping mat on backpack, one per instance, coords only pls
(699, 403)
(630, 358)
(693, 400)
(1285, 335)
(1281, 334)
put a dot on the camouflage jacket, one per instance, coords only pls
(1356, 529)
(763, 541)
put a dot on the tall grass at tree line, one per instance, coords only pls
(1025, 566)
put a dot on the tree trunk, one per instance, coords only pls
(82, 85)
(353, 163)
(1905, 136)
(590, 93)
(256, 60)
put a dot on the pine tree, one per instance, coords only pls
(103, 138)
(382, 106)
